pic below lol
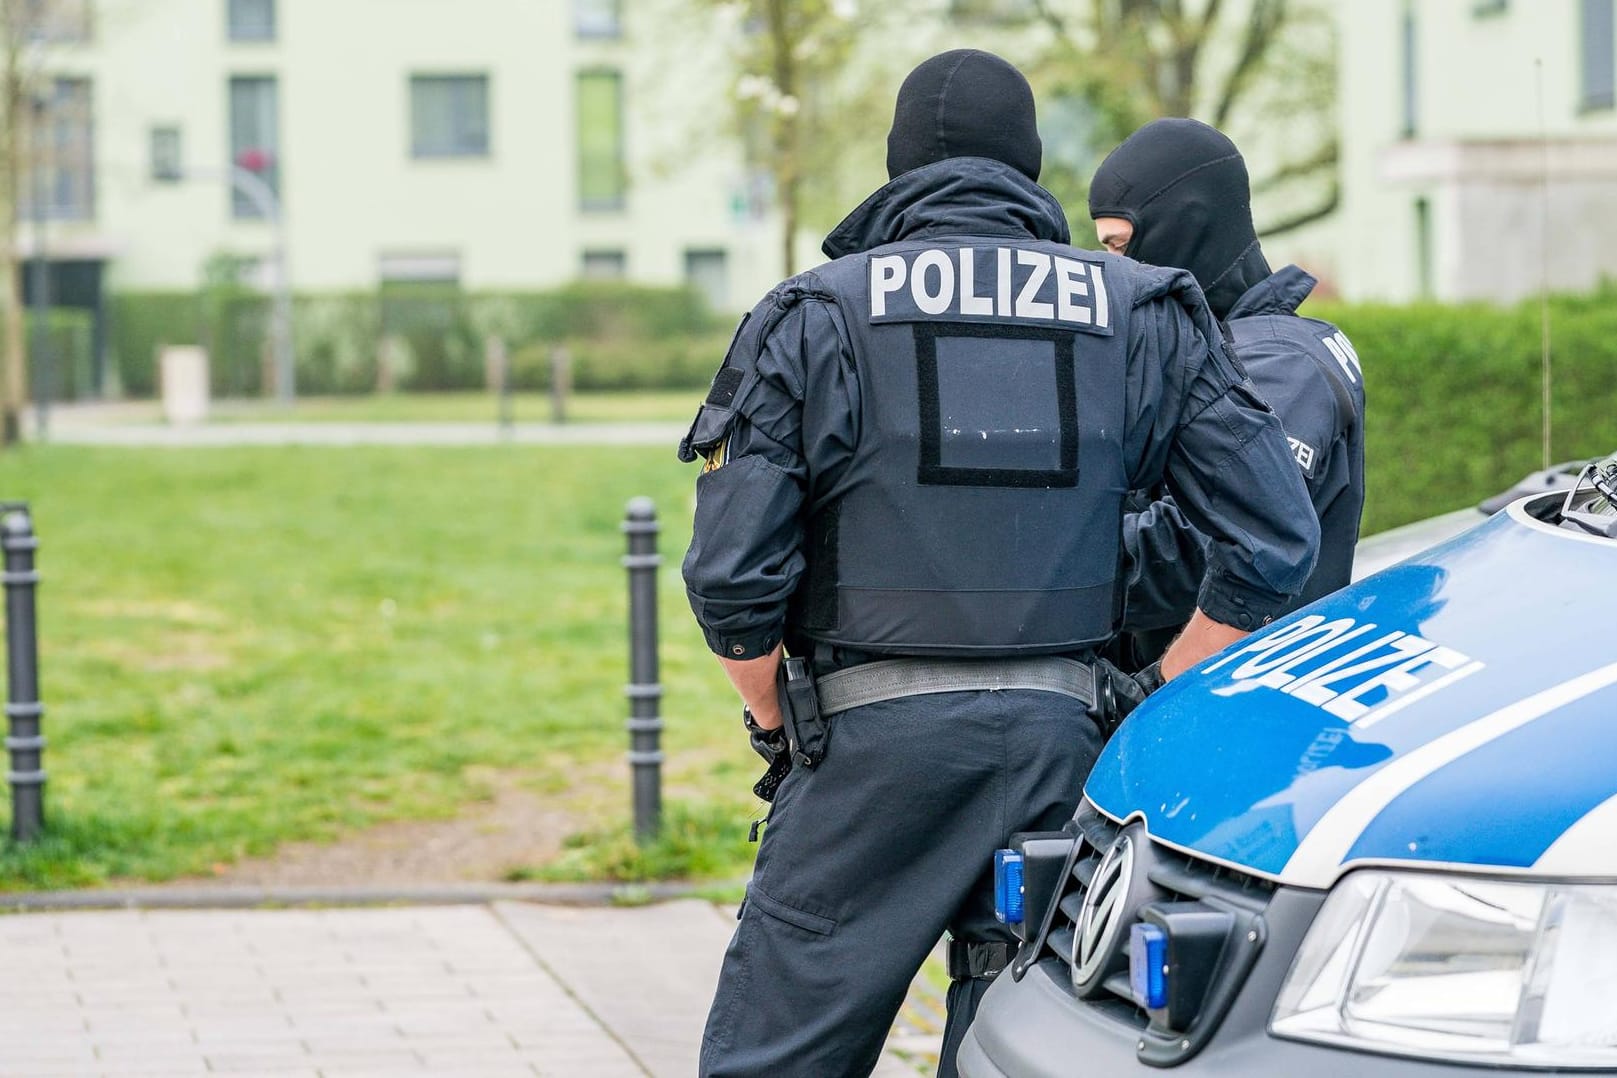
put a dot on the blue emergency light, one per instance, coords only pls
(1148, 966)
(1008, 886)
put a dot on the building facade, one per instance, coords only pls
(1479, 148)
(497, 144)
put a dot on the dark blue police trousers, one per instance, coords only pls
(870, 857)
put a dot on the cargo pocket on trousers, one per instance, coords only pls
(780, 911)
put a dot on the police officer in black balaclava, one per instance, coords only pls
(1176, 193)
(915, 460)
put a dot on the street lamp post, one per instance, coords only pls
(253, 187)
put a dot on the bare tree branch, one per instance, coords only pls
(1262, 26)
(1323, 209)
(1326, 157)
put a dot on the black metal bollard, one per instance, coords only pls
(644, 690)
(24, 711)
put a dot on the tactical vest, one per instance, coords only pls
(981, 513)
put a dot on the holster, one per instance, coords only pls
(1116, 694)
(807, 733)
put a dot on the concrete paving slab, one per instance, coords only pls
(491, 990)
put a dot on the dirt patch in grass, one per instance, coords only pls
(516, 827)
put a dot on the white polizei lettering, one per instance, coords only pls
(1103, 309)
(886, 275)
(1344, 703)
(1341, 632)
(970, 302)
(1026, 305)
(1346, 357)
(1281, 638)
(1327, 634)
(1310, 687)
(1070, 285)
(932, 302)
(1004, 308)
(1267, 670)
(1396, 679)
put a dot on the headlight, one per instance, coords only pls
(1458, 969)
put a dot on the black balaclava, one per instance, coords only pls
(964, 103)
(1184, 188)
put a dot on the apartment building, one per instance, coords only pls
(1479, 148)
(498, 144)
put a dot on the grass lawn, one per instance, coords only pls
(646, 406)
(246, 646)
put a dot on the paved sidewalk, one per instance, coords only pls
(509, 988)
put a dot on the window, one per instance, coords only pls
(439, 267)
(65, 171)
(168, 163)
(1599, 32)
(598, 18)
(604, 266)
(254, 138)
(59, 21)
(707, 271)
(1411, 109)
(251, 20)
(449, 116)
(602, 179)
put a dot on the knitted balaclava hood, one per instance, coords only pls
(1184, 188)
(964, 103)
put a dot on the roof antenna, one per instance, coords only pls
(1544, 258)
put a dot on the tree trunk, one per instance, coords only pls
(14, 383)
(786, 131)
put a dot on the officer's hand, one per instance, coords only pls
(771, 745)
(1202, 637)
(768, 743)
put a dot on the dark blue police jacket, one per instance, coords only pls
(1309, 373)
(787, 428)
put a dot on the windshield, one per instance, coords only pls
(1591, 504)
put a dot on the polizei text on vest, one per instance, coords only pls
(989, 284)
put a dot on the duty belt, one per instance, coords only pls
(891, 679)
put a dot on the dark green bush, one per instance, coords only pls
(1453, 411)
(70, 373)
(143, 321)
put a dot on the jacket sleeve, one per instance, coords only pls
(1165, 561)
(1203, 428)
(746, 552)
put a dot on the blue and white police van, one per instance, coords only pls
(1378, 837)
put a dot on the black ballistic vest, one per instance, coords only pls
(982, 512)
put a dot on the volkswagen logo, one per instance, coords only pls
(1105, 908)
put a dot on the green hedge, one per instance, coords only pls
(1453, 391)
(1453, 411)
(620, 336)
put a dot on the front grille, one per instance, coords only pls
(1177, 877)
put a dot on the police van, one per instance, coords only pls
(1378, 837)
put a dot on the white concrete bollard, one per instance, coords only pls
(184, 373)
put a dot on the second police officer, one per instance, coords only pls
(1176, 193)
(915, 462)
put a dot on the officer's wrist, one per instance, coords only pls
(761, 720)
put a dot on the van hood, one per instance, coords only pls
(1457, 710)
